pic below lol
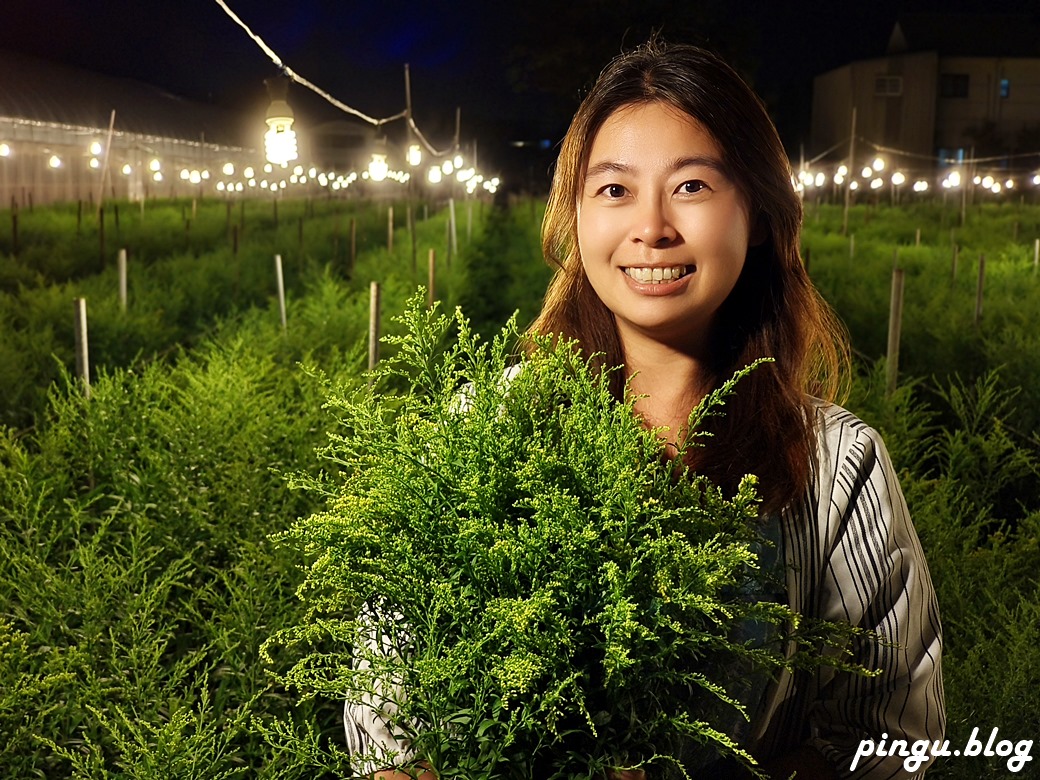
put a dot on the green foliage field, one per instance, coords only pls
(136, 569)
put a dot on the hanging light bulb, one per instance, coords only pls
(414, 155)
(379, 168)
(280, 139)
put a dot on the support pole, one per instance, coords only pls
(373, 325)
(848, 183)
(121, 262)
(978, 289)
(431, 278)
(82, 348)
(280, 281)
(895, 324)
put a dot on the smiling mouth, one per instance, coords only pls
(659, 275)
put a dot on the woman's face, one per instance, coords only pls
(663, 232)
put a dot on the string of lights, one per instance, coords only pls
(294, 76)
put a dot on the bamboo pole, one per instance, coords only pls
(454, 231)
(895, 325)
(978, 289)
(431, 278)
(373, 325)
(82, 347)
(390, 229)
(121, 262)
(280, 281)
(353, 244)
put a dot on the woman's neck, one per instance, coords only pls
(671, 383)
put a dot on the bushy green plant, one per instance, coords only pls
(551, 595)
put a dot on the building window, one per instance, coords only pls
(953, 85)
(888, 86)
(1005, 88)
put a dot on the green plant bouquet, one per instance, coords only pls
(524, 586)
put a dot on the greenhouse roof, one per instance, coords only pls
(35, 89)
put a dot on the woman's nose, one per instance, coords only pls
(653, 224)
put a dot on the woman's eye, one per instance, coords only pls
(614, 191)
(692, 187)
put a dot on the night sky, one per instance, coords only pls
(516, 71)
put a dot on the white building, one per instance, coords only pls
(948, 85)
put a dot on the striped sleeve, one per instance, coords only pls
(369, 738)
(853, 555)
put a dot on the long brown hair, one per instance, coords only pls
(773, 311)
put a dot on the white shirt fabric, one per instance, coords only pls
(852, 555)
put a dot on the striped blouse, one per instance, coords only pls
(852, 555)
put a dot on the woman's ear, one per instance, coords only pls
(759, 230)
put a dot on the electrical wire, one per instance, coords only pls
(290, 73)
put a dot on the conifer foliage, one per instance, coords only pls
(510, 569)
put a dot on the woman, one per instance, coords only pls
(674, 227)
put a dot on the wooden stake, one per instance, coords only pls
(917, 238)
(1036, 255)
(978, 289)
(373, 325)
(121, 262)
(14, 233)
(101, 235)
(279, 279)
(431, 278)
(411, 238)
(454, 231)
(852, 246)
(353, 244)
(953, 272)
(234, 240)
(82, 348)
(895, 324)
(390, 229)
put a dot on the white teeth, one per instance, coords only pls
(656, 275)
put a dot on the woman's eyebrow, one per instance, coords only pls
(695, 161)
(607, 166)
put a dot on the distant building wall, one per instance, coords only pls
(926, 105)
(27, 177)
(976, 92)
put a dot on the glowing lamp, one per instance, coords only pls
(414, 155)
(229, 169)
(878, 164)
(898, 178)
(280, 139)
(95, 148)
(5, 150)
(434, 175)
(154, 166)
(54, 161)
(378, 168)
